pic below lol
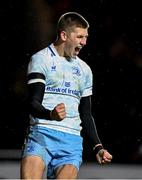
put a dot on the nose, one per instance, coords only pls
(83, 41)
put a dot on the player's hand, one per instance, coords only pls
(59, 112)
(103, 156)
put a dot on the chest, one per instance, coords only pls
(65, 74)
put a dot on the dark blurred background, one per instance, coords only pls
(114, 53)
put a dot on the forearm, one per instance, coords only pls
(89, 127)
(37, 110)
(88, 122)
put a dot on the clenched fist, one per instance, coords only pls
(59, 112)
(103, 156)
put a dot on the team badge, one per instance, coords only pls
(75, 70)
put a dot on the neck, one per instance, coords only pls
(59, 46)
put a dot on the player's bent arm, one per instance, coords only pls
(88, 123)
(36, 89)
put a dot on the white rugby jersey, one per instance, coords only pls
(65, 82)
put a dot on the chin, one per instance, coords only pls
(74, 56)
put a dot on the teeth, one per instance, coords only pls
(79, 48)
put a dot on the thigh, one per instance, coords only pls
(67, 171)
(32, 167)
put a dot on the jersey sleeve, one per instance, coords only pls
(37, 64)
(88, 83)
(36, 69)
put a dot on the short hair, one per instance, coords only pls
(71, 19)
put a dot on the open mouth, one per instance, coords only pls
(77, 50)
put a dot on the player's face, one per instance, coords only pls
(75, 41)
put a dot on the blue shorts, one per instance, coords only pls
(56, 148)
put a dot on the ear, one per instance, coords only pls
(63, 35)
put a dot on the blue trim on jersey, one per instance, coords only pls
(53, 54)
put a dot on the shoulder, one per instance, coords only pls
(40, 53)
(38, 61)
(83, 64)
(42, 56)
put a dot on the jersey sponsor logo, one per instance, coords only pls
(66, 91)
